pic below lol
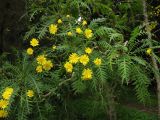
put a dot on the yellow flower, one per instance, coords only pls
(3, 113)
(88, 50)
(68, 66)
(53, 29)
(88, 33)
(41, 59)
(7, 93)
(84, 22)
(34, 42)
(97, 61)
(3, 103)
(54, 47)
(30, 93)
(68, 16)
(47, 65)
(39, 69)
(149, 51)
(79, 31)
(87, 74)
(69, 34)
(84, 59)
(59, 21)
(29, 51)
(73, 58)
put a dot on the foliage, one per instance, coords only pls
(125, 113)
(60, 73)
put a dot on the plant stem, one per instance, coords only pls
(154, 62)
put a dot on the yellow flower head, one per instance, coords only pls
(47, 65)
(84, 59)
(84, 22)
(3, 103)
(97, 61)
(88, 33)
(54, 47)
(3, 113)
(59, 21)
(30, 93)
(53, 29)
(29, 51)
(149, 51)
(68, 16)
(41, 59)
(73, 58)
(39, 69)
(88, 50)
(87, 74)
(7, 93)
(79, 31)
(34, 42)
(68, 66)
(69, 34)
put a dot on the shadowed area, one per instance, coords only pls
(11, 24)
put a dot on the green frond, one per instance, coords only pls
(145, 43)
(141, 82)
(45, 25)
(104, 45)
(139, 60)
(124, 68)
(101, 31)
(116, 36)
(30, 32)
(133, 39)
(95, 22)
(98, 20)
(101, 74)
(78, 86)
(134, 34)
(42, 31)
(34, 12)
(112, 56)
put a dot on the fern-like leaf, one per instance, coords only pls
(124, 68)
(78, 86)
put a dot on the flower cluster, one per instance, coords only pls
(88, 33)
(73, 59)
(43, 64)
(4, 102)
(34, 42)
(84, 59)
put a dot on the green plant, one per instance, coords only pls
(71, 55)
(125, 113)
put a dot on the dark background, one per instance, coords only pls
(12, 24)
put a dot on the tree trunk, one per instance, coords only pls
(154, 62)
